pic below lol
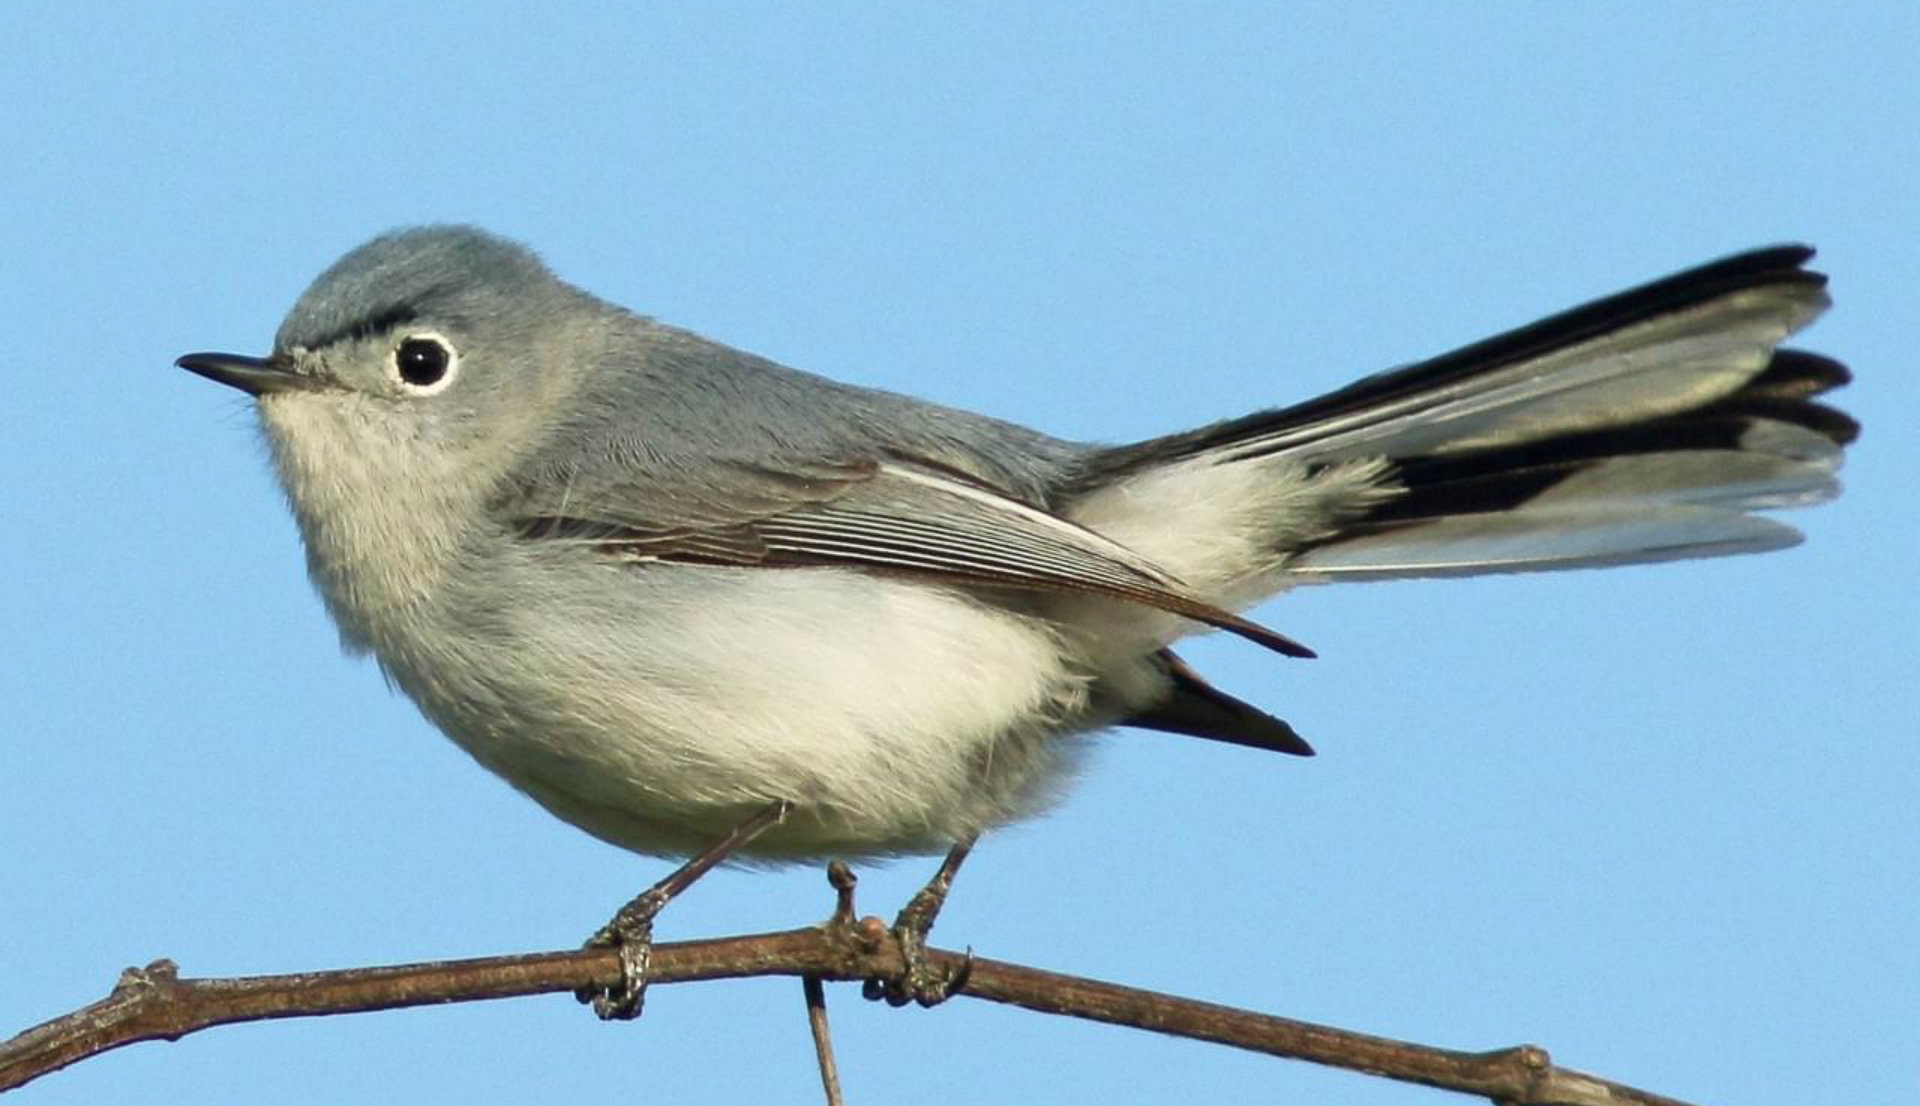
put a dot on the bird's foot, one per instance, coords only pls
(920, 981)
(630, 932)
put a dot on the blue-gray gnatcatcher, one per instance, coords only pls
(658, 584)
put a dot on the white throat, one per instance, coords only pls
(380, 516)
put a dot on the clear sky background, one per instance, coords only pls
(1660, 820)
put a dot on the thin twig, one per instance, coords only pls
(155, 1004)
(843, 881)
(822, 1038)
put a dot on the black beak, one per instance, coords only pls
(257, 376)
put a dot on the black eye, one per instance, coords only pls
(423, 362)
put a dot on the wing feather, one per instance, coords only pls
(891, 516)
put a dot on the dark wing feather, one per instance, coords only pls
(894, 516)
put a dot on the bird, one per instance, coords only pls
(671, 590)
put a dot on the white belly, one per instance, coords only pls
(660, 705)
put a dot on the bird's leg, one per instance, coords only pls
(920, 982)
(630, 932)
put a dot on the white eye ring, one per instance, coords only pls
(424, 363)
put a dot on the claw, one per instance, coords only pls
(630, 932)
(919, 981)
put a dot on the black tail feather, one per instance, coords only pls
(1502, 479)
(1196, 708)
(1768, 267)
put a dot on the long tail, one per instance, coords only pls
(1646, 426)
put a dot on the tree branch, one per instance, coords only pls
(154, 1003)
(816, 994)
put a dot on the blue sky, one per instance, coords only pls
(1659, 820)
